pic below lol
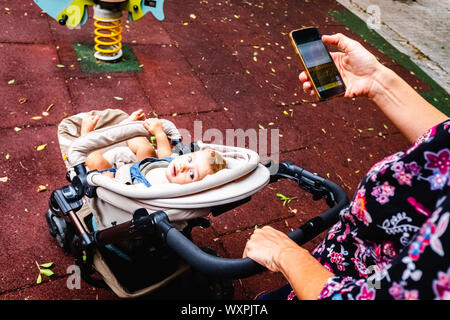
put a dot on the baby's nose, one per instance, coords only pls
(183, 167)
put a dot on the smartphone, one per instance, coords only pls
(317, 62)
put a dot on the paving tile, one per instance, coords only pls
(69, 59)
(276, 18)
(33, 23)
(100, 92)
(202, 48)
(179, 12)
(202, 126)
(313, 121)
(275, 68)
(240, 91)
(34, 58)
(169, 82)
(208, 238)
(236, 26)
(146, 30)
(363, 116)
(35, 83)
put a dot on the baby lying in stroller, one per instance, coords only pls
(155, 166)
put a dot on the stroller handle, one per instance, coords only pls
(245, 267)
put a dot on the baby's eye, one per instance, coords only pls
(191, 174)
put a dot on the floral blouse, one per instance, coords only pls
(393, 240)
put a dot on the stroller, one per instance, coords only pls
(135, 239)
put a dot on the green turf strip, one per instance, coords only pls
(89, 64)
(437, 96)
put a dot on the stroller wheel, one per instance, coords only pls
(58, 229)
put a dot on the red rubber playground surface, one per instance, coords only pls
(228, 64)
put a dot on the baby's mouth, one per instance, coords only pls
(174, 171)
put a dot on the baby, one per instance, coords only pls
(180, 170)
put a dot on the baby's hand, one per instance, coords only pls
(154, 126)
(108, 174)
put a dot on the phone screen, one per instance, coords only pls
(319, 63)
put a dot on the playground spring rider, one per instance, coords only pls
(107, 16)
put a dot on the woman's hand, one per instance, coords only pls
(357, 66)
(266, 246)
(279, 253)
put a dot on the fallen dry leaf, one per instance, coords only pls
(42, 188)
(41, 147)
(49, 107)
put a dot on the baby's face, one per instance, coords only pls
(189, 168)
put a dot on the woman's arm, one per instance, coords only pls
(363, 75)
(278, 253)
(411, 113)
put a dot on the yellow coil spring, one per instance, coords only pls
(108, 33)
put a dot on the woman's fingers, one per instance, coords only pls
(339, 40)
(303, 77)
(306, 83)
(306, 86)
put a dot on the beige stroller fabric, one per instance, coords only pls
(69, 128)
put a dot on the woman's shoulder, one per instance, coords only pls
(439, 135)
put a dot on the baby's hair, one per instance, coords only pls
(216, 161)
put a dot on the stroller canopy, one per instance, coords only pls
(243, 176)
